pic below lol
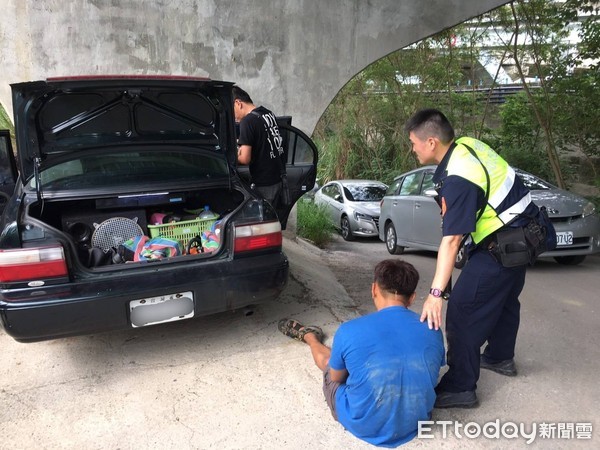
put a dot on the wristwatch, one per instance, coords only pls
(438, 293)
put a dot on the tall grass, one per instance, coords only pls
(314, 223)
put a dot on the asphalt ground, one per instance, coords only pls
(232, 381)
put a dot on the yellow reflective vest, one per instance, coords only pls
(501, 181)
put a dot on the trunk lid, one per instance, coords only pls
(59, 118)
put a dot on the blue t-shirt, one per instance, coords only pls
(393, 361)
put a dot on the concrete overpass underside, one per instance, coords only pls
(290, 55)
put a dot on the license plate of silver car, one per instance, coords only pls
(564, 238)
(161, 309)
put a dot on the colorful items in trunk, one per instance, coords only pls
(142, 248)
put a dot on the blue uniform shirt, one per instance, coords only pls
(460, 200)
(393, 361)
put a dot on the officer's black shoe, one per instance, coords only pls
(506, 367)
(465, 399)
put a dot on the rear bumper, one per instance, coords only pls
(92, 306)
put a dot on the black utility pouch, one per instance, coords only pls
(536, 238)
(510, 248)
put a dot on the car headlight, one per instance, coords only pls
(588, 209)
(361, 216)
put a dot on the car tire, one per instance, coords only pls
(346, 230)
(391, 241)
(571, 260)
(461, 258)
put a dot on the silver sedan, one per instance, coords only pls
(353, 206)
(410, 217)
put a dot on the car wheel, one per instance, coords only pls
(391, 240)
(461, 258)
(346, 231)
(572, 260)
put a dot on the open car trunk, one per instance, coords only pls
(110, 232)
(104, 228)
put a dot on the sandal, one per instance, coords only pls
(295, 330)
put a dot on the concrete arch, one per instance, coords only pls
(290, 55)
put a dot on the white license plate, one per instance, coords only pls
(564, 238)
(161, 309)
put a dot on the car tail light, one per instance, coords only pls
(259, 236)
(32, 264)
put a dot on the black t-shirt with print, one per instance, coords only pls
(259, 130)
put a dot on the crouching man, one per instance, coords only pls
(380, 374)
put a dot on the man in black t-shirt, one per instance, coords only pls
(260, 145)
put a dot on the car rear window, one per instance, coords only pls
(132, 168)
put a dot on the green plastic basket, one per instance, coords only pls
(181, 231)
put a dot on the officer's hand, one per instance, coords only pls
(432, 311)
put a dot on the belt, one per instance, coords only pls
(490, 240)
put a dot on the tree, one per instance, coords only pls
(361, 132)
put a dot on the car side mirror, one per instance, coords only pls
(338, 198)
(430, 193)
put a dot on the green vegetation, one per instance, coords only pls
(5, 122)
(313, 223)
(554, 115)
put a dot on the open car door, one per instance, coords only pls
(301, 156)
(301, 167)
(8, 169)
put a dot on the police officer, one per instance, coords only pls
(479, 196)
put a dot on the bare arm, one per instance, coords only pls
(432, 308)
(244, 154)
(338, 376)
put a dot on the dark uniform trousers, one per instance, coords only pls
(484, 306)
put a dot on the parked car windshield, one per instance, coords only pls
(532, 182)
(364, 193)
(132, 168)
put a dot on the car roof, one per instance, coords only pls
(418, 169)
(345, 182)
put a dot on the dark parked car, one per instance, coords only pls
(129, 210)
(410, 217)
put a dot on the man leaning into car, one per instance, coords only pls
(260, 145)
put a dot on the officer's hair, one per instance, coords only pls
(430, 123)
(242, 95)
(396, 277)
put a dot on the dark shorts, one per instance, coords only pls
(330, 387)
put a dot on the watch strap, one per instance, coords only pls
(437, 293)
